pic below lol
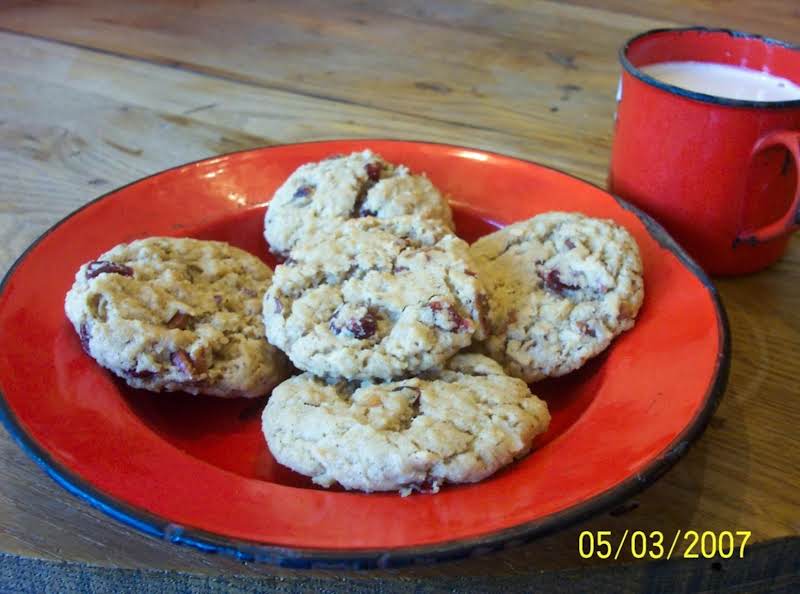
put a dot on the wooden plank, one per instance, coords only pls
(523, 80)
(548, 22)
(498, 65)
(278, 116)
(773, 18)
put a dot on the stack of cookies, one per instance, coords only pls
(415, 348)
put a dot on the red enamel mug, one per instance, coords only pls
(720, 174)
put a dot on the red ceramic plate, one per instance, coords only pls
(197, 470)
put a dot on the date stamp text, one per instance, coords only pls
(604, 544)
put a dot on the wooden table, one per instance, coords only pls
(95, 94)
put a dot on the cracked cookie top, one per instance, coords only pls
(320, 195)
(177, 314)
(459, 424)
(561, 286)
(376, 299)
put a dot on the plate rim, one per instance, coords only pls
(317, 558)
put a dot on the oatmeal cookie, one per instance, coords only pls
(178, 314)
(318, 196)
(561, 286)
(459, 424)
(376, 299)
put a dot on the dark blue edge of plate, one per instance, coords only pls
(299, 558)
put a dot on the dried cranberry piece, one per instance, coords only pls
(277, 305)
(218, 300)
(360, 328)
(183, 362)
(570, 244)
(105, 267)
(586, 330)
(180, 321)
(304, 191)
(144, 374)
(457, 322)
(552, 280)
(85, 337)
(373, 171)
(461, 323)
(469, 272)
(373, 176)
(363, 327)
(249, 292)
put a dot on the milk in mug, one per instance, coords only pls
(722, 80)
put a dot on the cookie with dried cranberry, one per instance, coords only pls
(376, 299)
(561, 287)
(320, 195)
(458, 424)
(169, 314)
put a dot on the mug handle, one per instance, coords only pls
(791, 220)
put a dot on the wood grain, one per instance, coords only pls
(770, 567)
(96, 94)
(773, 18)
(187, 99)
(548, 86)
